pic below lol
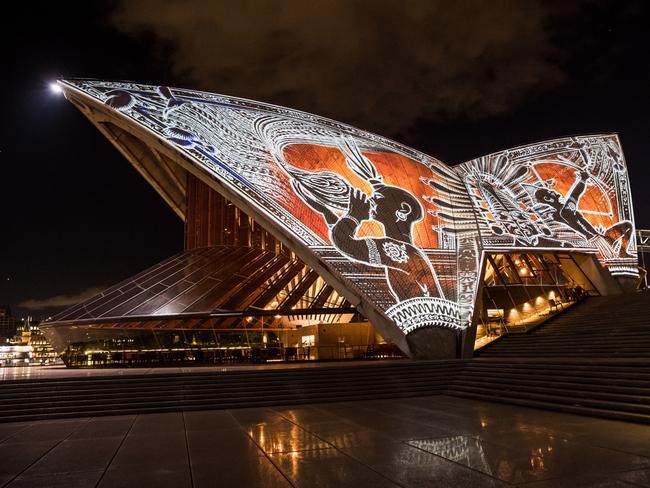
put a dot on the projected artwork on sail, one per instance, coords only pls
(387, 244)
(366, 207)
(397, 232)
(570, 194)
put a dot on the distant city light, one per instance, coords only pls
(56, 88)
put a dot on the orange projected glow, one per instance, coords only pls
(598, 208)
(396, 170)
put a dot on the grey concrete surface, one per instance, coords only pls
(435, 441)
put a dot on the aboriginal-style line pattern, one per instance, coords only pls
(396, 227)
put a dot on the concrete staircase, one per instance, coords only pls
(114, 395)
(594, 359)
(610, 389)
(600, 327)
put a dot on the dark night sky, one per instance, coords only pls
(455, 80)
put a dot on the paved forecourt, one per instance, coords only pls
(417, 442)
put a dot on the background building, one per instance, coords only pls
(8, 323)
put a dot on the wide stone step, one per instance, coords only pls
(598, 376)
(614, 384)
(642, 336)
(587, 338)
(224, 382)
(57, 398)
(256, 402)
(572, 390)
(191, 392)
(557, 397)
(592, 344)
(596, 346)
(558, 407)
(576, 354)
(207, 403)
(583, 335)
(566, 351)
(410, 367)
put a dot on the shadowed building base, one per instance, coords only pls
(432, 342)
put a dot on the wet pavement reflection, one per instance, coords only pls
(415, 442)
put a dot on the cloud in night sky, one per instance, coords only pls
(60, 301)
(378, 64)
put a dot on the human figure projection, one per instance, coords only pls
(553, 207)
(409, 273)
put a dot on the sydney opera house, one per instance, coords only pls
(306, 238)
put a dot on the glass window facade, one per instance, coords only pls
(522, 289)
